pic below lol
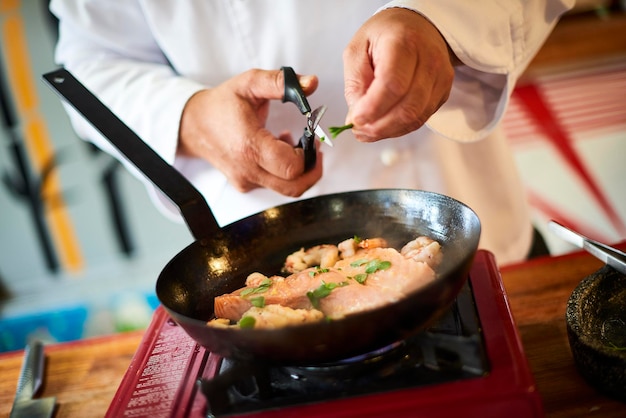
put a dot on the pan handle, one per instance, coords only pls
(192, 205)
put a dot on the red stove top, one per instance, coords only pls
(163, 375)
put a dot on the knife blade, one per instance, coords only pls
(603, 252)
(29, 383)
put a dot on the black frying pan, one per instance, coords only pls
(220, 259)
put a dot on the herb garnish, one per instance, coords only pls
(247, 322)
(318, 270)
(258, 301)
(360, 278)
(615, 347)
(375, 265)
(336, 130)
(265, 284)
(322, 291)
(371, 266)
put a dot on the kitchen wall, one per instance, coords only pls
(81, 245)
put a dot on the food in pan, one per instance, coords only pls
(328, 282)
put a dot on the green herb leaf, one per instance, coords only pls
(359, 263)
(360, 278)
(258, 301)
(371, 266)
(375, 265)
(321, 292)
(247, 322)
(265, 284)
(336, 130)
(615, 347)
(318, 270)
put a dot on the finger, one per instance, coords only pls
(296, 187)
(428, 92)
(358, 72)
(280, 158)
(406, 116)
(270, 84)
(281, 168)
(394, 71)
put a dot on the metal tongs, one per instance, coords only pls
(294, 94)
(605, 253)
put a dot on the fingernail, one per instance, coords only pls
(306, 80)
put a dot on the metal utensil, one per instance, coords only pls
(31, 378)
(294, 93)
(603, 252)
(314, 125)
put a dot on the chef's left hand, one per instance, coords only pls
(398, 71)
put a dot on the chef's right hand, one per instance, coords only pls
(225, 125)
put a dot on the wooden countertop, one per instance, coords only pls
(538, 292)
(84, 375)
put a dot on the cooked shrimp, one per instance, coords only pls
(350, 246)
(278, 316)
(423, 249)
(323, 256)
(373, 243)
(271, 317)
(255, 279)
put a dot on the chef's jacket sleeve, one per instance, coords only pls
(113, 53)
(495, 40)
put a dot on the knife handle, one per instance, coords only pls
(31, 375)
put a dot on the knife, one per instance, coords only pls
(30, 381)
(605, 253)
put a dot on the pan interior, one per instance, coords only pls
(220, 264)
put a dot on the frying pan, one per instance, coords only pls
(220, 259)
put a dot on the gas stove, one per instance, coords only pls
(470, 362)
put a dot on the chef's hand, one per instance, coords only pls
(398, 71)
(225, 125)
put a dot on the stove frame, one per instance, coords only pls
(162, 377)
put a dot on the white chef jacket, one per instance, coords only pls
(145, 58)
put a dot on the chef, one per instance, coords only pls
(424, 85)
